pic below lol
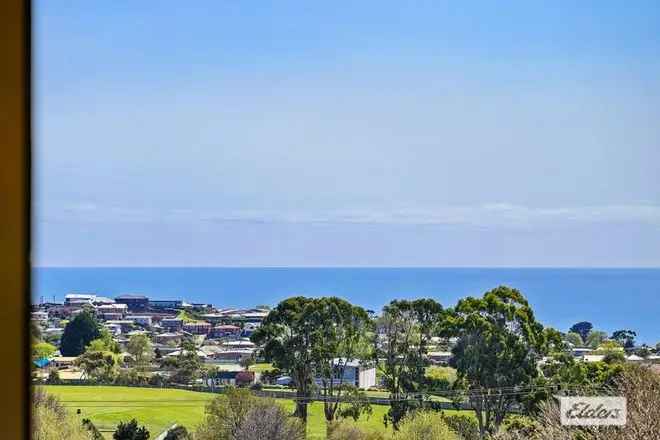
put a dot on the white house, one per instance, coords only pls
(140, 320)
(579, 352)
(361, 376)
(78, 299)
(440, 357)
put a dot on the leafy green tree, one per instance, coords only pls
(110, 343)
(130, 431)
(609, 346)
(269, 422)
(224, 414)
(500, 343)
(625, 338)
(140, 347)
(288, 341)
(98, 365)
(582, 328)
(614, 357)
(440, 379)
(187, 363)
(401, 343)
(78, 333)
(575, 339)
(97, 345)
(43, 350)
(595, 338)
(565, 375)
(340, 337)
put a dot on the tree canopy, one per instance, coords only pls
(401, 345)
(78, 333)
(499, 345)
(140, 347)
(582, 328)
(625, 338)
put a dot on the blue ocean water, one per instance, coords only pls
(609, 298)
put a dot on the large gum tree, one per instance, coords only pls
(404, 332)
(287, 341)
(499, 345)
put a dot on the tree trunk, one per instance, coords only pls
(301, 410)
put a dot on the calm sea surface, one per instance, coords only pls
(609, 298)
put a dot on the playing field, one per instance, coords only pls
(160, 408)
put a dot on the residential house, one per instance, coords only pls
(168, 338)
(78, 299)
(239, 344)
(172, 324)
(197, 327)
(231, 378)
(234, 356)
(135, 303)
(165, 304)
(125, 325)
(361, 376)
(225, 331)
(142, 320)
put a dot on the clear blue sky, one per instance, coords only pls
(349, 133)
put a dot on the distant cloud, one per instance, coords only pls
(488, 215)
(491, 215)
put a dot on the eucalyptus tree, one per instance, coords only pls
(401, 343)
(595, 338)
(340, 340)
(287, 341)
(582, 328)
(500, 343)
(314, 340)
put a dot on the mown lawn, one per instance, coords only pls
(261, 367)
(158, 409)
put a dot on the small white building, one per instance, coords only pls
(78, 299)
(140, 320)
(579, 352)
(361, 376)
(440, 357)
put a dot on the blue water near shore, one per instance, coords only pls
(609, 298)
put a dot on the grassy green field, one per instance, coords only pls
(261, 367)
(158, 409)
